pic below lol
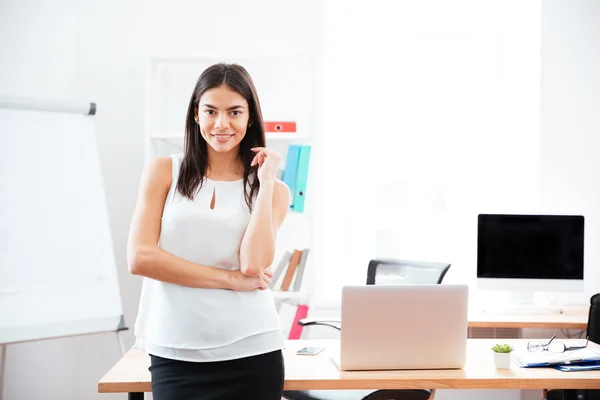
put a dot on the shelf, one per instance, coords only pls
(294, 295)
(283, 136)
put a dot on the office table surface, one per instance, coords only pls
(131, 373)
(574, 317)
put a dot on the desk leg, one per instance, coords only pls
(136, 396)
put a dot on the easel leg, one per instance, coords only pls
(121, 344)
(2, 369)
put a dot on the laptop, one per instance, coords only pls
(391, 327)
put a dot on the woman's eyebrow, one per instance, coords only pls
(229, 109)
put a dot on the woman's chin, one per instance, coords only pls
(222, 147)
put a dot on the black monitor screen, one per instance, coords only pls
(530, 246)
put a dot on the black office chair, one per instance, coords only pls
(593, 331)
(380, 271)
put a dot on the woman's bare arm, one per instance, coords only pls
(258, 245)
(146, 258)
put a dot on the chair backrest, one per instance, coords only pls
(593, 329)
(402, 272)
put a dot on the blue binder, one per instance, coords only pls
(299, 193)
(589, 366)
(291, 167)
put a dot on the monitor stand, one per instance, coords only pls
(522, 303)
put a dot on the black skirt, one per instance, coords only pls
(258, 377)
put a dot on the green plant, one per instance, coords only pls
(502, 348)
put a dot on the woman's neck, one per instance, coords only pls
(224, 166)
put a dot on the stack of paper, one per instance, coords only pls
(526, 358)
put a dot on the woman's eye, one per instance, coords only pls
(236, 113)
(209, 112)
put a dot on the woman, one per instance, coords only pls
(203, 237)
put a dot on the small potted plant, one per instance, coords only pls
(502, 355)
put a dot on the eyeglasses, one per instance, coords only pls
(554, 347)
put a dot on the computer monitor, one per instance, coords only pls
(524, 254)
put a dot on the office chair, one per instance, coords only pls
(593, 331)
(379, 271)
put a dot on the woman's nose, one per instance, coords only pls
(221, 122)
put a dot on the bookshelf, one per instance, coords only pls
(286, 89)
(299, 295)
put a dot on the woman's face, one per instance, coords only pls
(223, 116)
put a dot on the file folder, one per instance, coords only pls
(296, 331)
(291, 167)
(589, 366)
(299, 193)
(300, 270)
(280, 126)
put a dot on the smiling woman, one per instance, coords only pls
(203, 236)
(219, 120)
(220, 125)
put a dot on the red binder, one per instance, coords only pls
(296, 331)
(280, 126)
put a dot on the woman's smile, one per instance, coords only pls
(222, 138)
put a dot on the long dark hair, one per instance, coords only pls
(195, 160)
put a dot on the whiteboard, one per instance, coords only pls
(58, 273)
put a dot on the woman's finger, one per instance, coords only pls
(256, 160)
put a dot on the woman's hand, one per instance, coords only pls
(268, 162)
(243, 283)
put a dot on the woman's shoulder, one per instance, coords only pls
(159, 170)
(161, 164)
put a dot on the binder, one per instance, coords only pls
(300, 270)
(280, 126)
(299, 193)
(291, 167)
(589, 366)
(296, 329)
(280, 268)
(289, 275)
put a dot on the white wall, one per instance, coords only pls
(445, 118)
(438, 106)
(98, 51)
(570, 121)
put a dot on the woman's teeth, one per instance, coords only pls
(222, 138)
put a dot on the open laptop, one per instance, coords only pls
(403, 327)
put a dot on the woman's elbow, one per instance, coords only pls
(138, 259)
(251, 270)
(257, 267)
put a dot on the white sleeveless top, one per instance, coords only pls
(195, 324)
